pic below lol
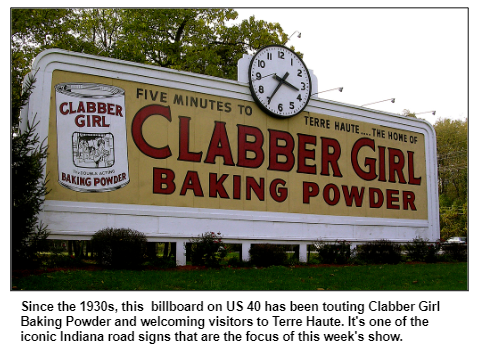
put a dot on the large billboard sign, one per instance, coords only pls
(175, 154)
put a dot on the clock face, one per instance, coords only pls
(279, 81)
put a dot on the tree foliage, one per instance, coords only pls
(452, 148)
(205, 41)
(452, 154)
(28, 191)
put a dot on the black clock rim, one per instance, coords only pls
(252, 91)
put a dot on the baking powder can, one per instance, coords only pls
(91, 137)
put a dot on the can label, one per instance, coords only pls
(91, 137)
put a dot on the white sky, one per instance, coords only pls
(417, 56)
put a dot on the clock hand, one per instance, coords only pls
(286, 82)
(282, 81)
(261, 78)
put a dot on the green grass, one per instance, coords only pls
(440, 276)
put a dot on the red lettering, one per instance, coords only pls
(278, 194)
(192, 182)
(276, 150)
(184, 143)
(138, 120)
(219, 145)
(246, 147)
(369, 162)
(80, 108)
(91, 107)
(381, 167)
(376, 197)
(353, 195)
(96, 121)
(412, 180)
(79, 120)
(102, 108)
(304, 154)
(408, 200)
(258, 189)
(62, 108)
(237, 185)
(216, 186)
(118, 110)
(396, 162)
(391, 198)
(163, 181)
(310, 189)
(336, 194)
(71, 111)
(330, 158)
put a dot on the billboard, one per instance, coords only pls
(175, 154)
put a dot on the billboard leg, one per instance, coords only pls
(245, 252)
(302, 256)
(180, 254)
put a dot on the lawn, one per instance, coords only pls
(404, 276)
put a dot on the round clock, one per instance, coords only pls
(279, 81)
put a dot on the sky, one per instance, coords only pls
(417, 56)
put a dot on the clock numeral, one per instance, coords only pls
(280, 107)
(269, 99)
(299, 73)
(260, 89)
(269, 56)
(292, 105)
(291, 62)
(261, 64)
(299, 97)
(303, 86)
(259, 75)
(281, 55)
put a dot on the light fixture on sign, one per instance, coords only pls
(299, 36)
(332, 89)
(431, 111)
(389, 99)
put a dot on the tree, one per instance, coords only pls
(28, 191)
(452, 153)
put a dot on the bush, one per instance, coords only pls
(455, 251)
(417, 249)
(119, 247)
(333, 253)
(379, 252)
(264, 255)
(207, 250)
(161, 262)
(421, 250)
(28, 190)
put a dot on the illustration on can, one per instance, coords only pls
(91, 137)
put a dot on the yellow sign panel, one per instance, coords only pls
(189, 149)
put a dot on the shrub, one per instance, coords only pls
(417, 249)
(333, 253)
(119, 247)
(455, 251)
(207, 250)
(161, 262)
(28, 190)
(264, 255)
(421, 250)
(432, 253)
(379, 252)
